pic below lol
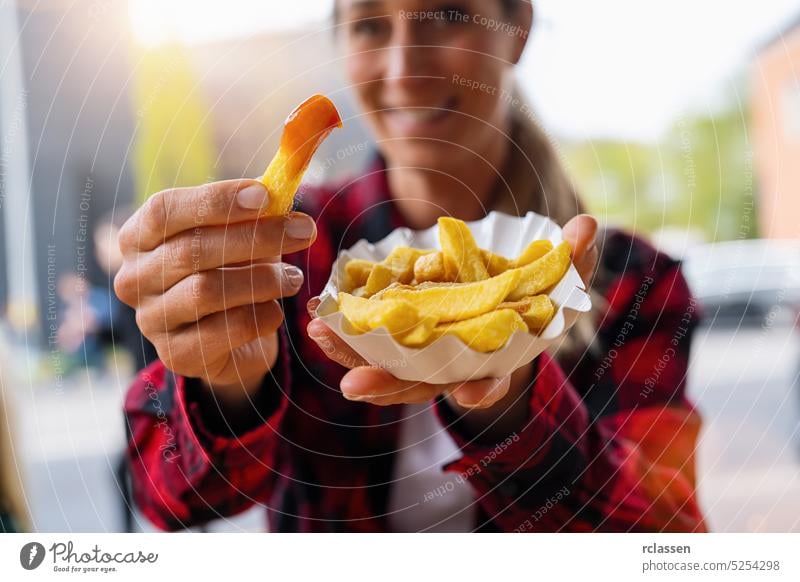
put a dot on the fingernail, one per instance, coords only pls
(253, 197)
(293, 275)
(300, 227)
(311, 332)
(353, 397)
(347, 386)
(311, 306)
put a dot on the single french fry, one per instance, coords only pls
(485, 333)
(429, 267)
(389, 288)
(534, 251)
(380, 277)
(520, 306)
(542, 273)
(460, 300)
(420, 335)
(539, 314)
(358, 271)
(402, 260)
(435, 284)
(399, 318)
(536, 311)
(495, 263)
(366, 315)
(304, 130)
(462, 257)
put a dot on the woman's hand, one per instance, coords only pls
(203, 272)
(367, 383)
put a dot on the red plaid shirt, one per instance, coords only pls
(608, 446)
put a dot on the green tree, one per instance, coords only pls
(712, 161)
(173, 141)
(699, 177)
(614, 179)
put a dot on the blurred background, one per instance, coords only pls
(678, 120)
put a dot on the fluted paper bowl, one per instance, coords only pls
(448, 359)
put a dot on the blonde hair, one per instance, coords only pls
(12, 499)
(534, 180)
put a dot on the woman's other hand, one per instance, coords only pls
(375, 385)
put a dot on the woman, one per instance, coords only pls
(253, 401)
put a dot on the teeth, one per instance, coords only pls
(419, 114)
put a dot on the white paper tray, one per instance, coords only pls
(448, 359)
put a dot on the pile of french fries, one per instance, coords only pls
(480, 297)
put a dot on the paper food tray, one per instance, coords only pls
(448, 359)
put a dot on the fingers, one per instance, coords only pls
(247, 361)
(481, 394)
(167, 213)
(210, 248)
(587, 265)
(208, 292)
(367, 383)
(377, 386)
(581, 233)
(333, 346)
(312, 305)
(192, 350)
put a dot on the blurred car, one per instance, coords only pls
(743, 282)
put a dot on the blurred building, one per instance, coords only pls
(79, 125)
(776, 131)
(79, 77)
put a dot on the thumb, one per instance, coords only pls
(581, 232)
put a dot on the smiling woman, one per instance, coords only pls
(267, 405)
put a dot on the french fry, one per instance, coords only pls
(495, 263)
(534, 251)
(536, 311)
(462, 257)
(459, 301)
(485, 333)
(402, 260)
(303, 132)
(420, 335)
(358, 271)
(542, 273)
(429, 267)
(366, 315)
(390, 287)
(400, 319)
(379, 279)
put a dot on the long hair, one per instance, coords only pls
(535, 180)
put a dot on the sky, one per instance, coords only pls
(616, 69)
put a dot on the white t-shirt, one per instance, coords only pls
(423, 497)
